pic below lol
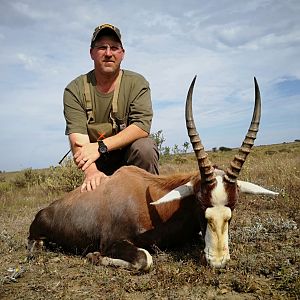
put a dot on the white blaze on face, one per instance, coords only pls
(216, 235)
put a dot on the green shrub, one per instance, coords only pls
(55, 179)
(29, 178)
(5, 187)
(224, 148)
(63, 178)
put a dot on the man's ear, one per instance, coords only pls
(91, 53)
(123, 54)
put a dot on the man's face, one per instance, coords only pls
(107, 54)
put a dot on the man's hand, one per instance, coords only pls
(86, 154)
(93, 178)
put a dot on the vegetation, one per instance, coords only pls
(166, 151)
(224, 148)
(264, 240)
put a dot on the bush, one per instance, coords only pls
(224, 149)
(56, 179)
(64, 178)
(166, 151)
(5, 187)
(29, 178)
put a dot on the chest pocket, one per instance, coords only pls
(100, 131)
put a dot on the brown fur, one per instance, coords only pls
(232, 192)
(119, 210)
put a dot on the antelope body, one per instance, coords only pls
(132, 209)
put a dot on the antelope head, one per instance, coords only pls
(216, 190)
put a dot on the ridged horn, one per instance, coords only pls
(205, 166)
(233, 171)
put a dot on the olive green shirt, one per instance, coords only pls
(134, 103)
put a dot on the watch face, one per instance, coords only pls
(102, 148)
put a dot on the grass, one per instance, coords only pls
(264, 240)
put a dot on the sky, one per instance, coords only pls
(45, 44)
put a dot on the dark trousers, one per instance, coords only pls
(142, 153)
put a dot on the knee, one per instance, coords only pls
(145, 148)
(144, 153)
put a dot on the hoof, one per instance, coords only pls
(94, 258)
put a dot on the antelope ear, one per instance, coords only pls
(251, 188)
(178, 193)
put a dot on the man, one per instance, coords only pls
(108, 113)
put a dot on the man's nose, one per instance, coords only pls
(108, 51)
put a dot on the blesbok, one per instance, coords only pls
(132, 209)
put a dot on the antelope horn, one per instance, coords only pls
(205, 166)
(233, 171)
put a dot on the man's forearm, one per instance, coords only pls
(86, 153)
(125, 137)
(77, 137)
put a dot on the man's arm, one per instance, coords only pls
(92, 175)
(77, 137)
(86, 153)
(125, 137)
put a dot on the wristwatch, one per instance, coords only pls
(102, 148)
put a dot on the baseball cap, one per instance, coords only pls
(106, 28)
